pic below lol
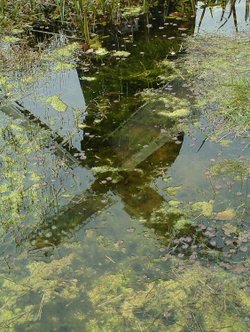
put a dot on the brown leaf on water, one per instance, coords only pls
(236, 268)
(225, 215)
(229, 229)
(239, 268)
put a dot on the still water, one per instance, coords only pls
(112, 218)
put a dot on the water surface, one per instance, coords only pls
(94, 198)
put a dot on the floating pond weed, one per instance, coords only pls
(170, 301)
(57, 103)
(205, 208)
(221, 87)
(41, 281)
(140, 227)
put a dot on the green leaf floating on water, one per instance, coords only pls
(57, 103)
(121, 54)
(101, 51)
(182, 223)
(205, 208)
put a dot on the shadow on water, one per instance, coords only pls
(89, 205)
(131, 135)
(130, 140)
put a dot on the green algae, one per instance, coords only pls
(33, 65)
(41, 281)
(101, 51)
(205, 208)
(221, 86)
(132, 11)
(121, 54)
(234, 168)
(125, 289)
(10, 39)
(88, 78)
(225, 215)
(57, 103)
(182, 224)
(192, 299)
(62, 66)
(172, 191)
(25, 187)
(173, 107)
(179, 113)
(64, 52)
(15, 157)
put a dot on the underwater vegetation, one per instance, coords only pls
(144, 225)
(219, 71)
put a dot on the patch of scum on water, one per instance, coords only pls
(140, 227)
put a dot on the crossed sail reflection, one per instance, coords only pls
(138, 147)
(136, 172)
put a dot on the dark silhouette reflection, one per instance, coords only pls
(135, 141)
(139, 198)
(135, 172)
(131, 136)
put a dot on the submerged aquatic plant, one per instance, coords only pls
(41, 281)
(191, 299)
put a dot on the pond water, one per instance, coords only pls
(114, 216)
(225, 18)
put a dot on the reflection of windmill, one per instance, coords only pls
(144, 140)
(247, 10)
(65, 88)
(133, 188)
(149, 136)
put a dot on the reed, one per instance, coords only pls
(145, 6)
(32, 5)
(81, 11)
(3, 4)
(61, 6)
